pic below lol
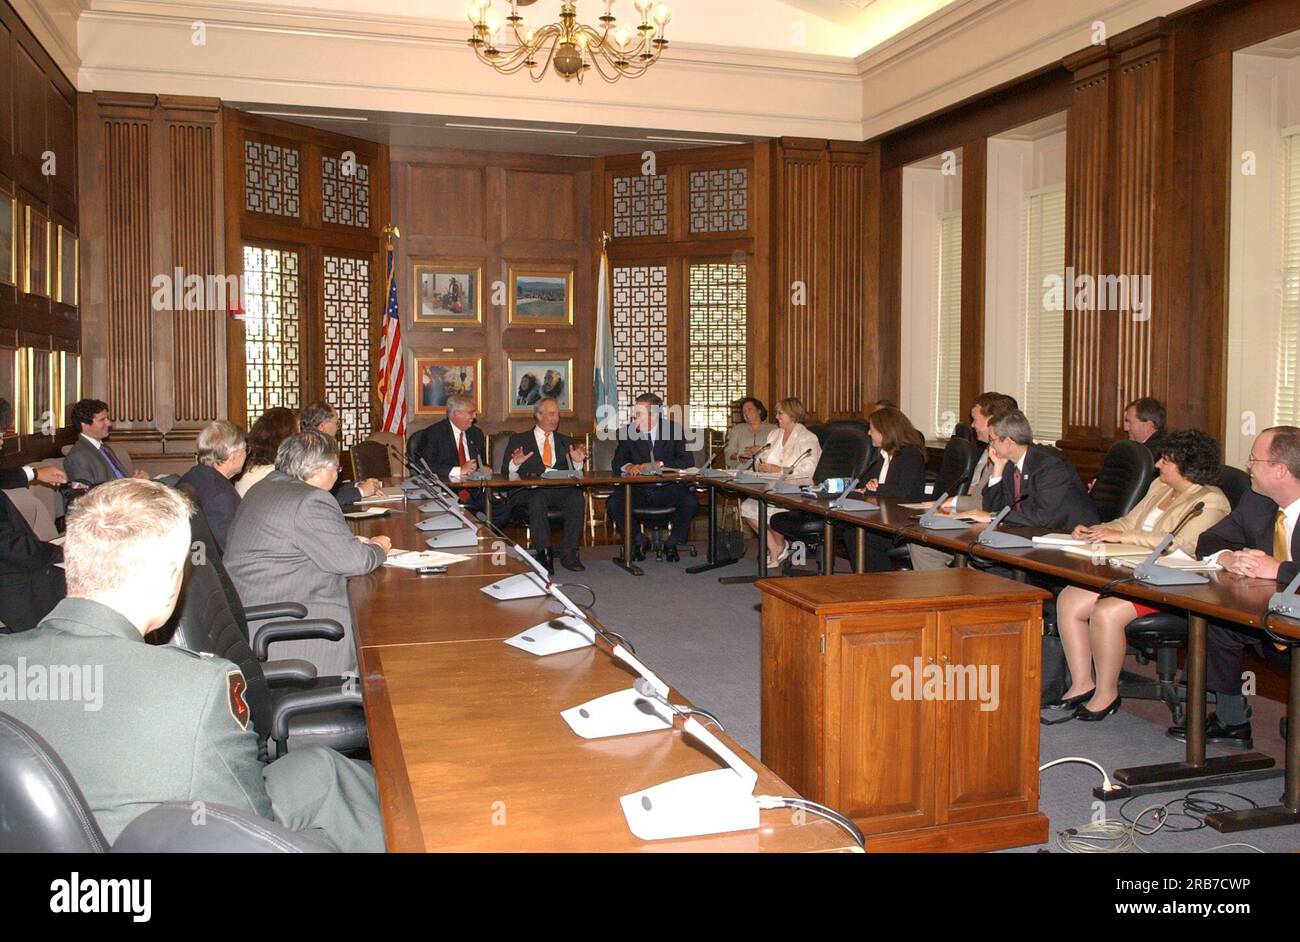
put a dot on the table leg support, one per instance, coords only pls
(828, 548)
(1195, 770)
(712, 558)
(860, 550)
(762, 551)
(625, 562)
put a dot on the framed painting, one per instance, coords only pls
(448, 292)
(534, 379)
(541, 295)
(437, 378)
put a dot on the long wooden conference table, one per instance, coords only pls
(427, 790)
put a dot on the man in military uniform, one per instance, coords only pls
(139, 724)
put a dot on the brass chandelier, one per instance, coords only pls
(571, 47)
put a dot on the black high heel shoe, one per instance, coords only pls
(1093, 716)
(1069, 703)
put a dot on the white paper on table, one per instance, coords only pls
(1175, 560)
(417, 559)
(368, 512)
(1059, 539)
(384, 496)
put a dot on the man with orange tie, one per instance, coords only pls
(1259, 540)
(528, 455)
(454, 448)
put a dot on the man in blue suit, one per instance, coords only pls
(650, 444)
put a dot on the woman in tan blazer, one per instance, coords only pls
(792, 451)
(1092, 629)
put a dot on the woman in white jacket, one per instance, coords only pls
(792, 452)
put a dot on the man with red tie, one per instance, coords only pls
(454, 448)
(1258, 540)
(92, 460)
(529, 455)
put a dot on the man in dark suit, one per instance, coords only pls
(91, 460)
(1036, 481)
(454, 448)
(529, 454)
(320, 416)
(221, 453)
(1144, 421)
(1259, 540)
(648, 445)
(30, 583)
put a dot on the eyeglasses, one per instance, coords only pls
(1253, 460)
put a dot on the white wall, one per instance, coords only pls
(927, 194)
(1266, 101)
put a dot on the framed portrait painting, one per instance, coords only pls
(438, 378)
(448, 292)
(534, 379)
(541, 295)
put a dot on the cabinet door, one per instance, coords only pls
(987, 740)
(880, 733)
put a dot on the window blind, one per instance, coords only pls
(1044, 365)
(947, 400)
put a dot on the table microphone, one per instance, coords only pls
(790, 469)
(1196, 511)
(753, 459)
(647, 690)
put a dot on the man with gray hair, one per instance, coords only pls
(454, 447)
(146, 724)
(1036, 481)
(529, 455)
(323, 417)
(290, 543)
(220, 452)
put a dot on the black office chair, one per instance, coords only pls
(1159, 637)
(823, 432)
(844, 455)
(45, 812)
(1123, 479)
(414, 444)
(287, 702)
(957, 468)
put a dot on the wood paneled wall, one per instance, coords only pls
(827, 347)
(496, 209)
(38, 109)
(151, 175)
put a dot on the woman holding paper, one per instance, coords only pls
(1092, 629)
(791, 450)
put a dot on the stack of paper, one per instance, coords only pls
(368, 512)
(384, 496)
(416, 559)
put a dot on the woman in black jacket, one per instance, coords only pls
(897, 471)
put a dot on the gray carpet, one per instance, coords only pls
(703, 638)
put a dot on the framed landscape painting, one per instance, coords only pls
(541, 295)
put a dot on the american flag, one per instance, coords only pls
(392, 374)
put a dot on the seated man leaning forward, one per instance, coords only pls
(156, 723)
(289, 542)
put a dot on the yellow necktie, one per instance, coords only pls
(1281, 545)
(548, 455)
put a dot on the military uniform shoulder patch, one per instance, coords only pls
(235, 688)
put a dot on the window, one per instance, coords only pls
(640, 324)
(272, 330)
(718, 308)
(947, 403)
(1044, 345)
(347, 344)
(1286, 404)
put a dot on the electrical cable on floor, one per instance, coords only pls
(803, 804)
(566, 586)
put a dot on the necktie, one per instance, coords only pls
(548, 455)
(1281, 545)
(464, 460)
(1015, 483)
(112, 461)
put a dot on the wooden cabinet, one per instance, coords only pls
(908, 701)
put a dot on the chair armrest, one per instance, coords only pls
(325, 628)
(297, 702)
(275, 610)
(289, 671)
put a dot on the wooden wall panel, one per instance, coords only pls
(800, 258)
(496, 209)
(851, 202)
(974, 222)
(37, 117)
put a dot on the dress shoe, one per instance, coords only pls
(1069, 703)
(1081, 712)
(571, 562)
(670, 553)
(546, 559)
(1215, 731)
(638, 552)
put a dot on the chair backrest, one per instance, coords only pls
(602, 454)
(1234, 483)
(209, 618)
(370, 460)
(699, 451)
(499, 442)
(844, 454)
(385, 439)
(34, 511)
(958, 466)
(964, 431)
(413, 443)
(822, 432)
(1122, 480)
(41, 807)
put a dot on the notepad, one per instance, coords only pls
(385, 495)
(417, 559)
(368, 512)
(1060, 539)
(1109, 550)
